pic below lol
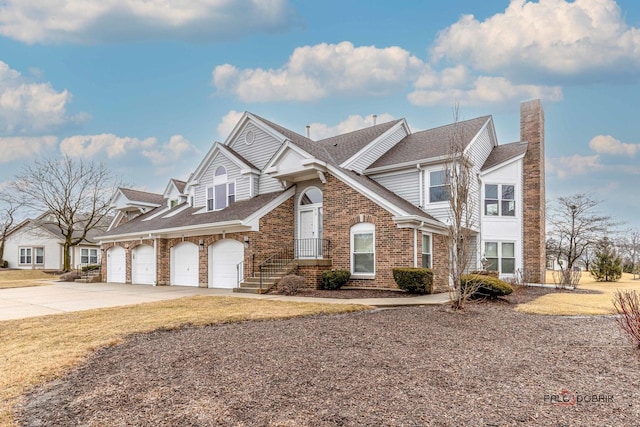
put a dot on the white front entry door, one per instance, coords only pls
(309, 244)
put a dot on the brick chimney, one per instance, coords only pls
(532, 131)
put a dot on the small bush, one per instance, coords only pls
(4, 264)
(486, 286)
(334, 279)
(290, 284)
(627, 304)
(90, 267)
(414, 280)
(490, 273)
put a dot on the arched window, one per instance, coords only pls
(363, 250)
(223, 192)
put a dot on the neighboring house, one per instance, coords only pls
(39, 244)
(366, 201)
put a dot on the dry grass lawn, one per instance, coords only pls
(569, 303)
(39, 349)
(24, 278)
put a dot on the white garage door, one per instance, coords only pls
(184, 264)
(143, 265)
(116, 265)
(224, 257)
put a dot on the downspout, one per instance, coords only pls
(479, 242)
(420, 176)
(415, 247)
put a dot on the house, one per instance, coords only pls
(367, 201)
(39, 244)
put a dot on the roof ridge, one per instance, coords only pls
(367, 128)
(454, 123)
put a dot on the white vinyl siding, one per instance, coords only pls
(263, 148)
(33, 237)
(373, 153)
(478, 152)
(405, 184)
(267, 184)
(233, 174)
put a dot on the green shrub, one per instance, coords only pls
(491, 273)
(414, 280)
(4, 264)
(334, 279)
(290, 284)
(486, 286)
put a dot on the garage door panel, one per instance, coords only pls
(116, 265)
(143, 265)
(224, 257)
(184, 264)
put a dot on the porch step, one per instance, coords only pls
(252, 284)
(89, 279)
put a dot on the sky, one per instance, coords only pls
(147, 87)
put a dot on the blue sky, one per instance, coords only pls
(147, 87)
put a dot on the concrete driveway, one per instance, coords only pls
(63, 297)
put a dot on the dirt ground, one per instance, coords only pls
(416, 366)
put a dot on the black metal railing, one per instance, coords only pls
(277, 261)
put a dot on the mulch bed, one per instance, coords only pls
(352, 293)
(414, 366)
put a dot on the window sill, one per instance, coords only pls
(363, 276)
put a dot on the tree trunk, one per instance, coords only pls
(66, 257)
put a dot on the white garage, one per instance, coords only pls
(143, 265)
(224, 256)
(116, 265)
(184, 264)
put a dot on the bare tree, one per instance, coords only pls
(10, 205)
(461, 220)
(630, 246)
(75, 194)
(575, 227)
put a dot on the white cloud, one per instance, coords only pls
(92, 146)
(172, 150)
(88, 146)
(552, 37)
(479, 91)
(315, 72)
(15, 148)
(31, 108)
(93, 21)
(564, 167)
(606, 144)
(354, 122)
(228, 122)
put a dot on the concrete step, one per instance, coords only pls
(251, 290)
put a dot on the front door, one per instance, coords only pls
(309, 244)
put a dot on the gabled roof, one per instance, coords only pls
(226, 151)
(429, 144)
(179, 184)
(503, 153)
(142, 196)
(52, 228)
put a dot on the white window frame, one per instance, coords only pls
(499, 200)
(222, 180)
(362, 228)
(36, 256)
(428, 185)
(500, 256)
(88, 255)
(210, 198)
(27, 258)
(429, 249)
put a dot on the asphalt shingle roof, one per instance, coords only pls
(143, 196)
(188, 217)
(502, 153)
(430, 143)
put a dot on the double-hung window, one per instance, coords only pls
(363, 249)
(438, 186)
(25, 255)
(223, 192)
(426, 251)
(499, 200)
(88, 256)
(39, 255)
(500, 256)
